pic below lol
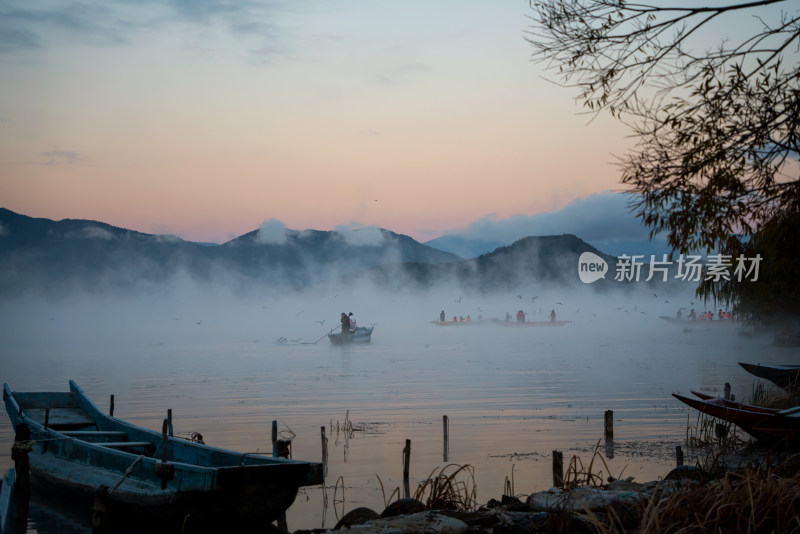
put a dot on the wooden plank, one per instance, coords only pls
(124, 444)
(95, 433)
(60, 417)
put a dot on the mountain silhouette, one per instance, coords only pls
(51, 256)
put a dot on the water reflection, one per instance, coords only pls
(511, 396)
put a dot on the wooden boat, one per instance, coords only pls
(362, 334)
(778, 427)
(734, 404)
(7, 502)
(530, 323)
(697, 322)
(471, 322)
(785, 376)
(80, 454)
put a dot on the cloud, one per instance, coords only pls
(271, 232)
(599, 216)
(57, 156)
(601, 219)
(90, 232)
(31, 26)
(366, 236)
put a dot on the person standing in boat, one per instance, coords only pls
(345, 324)
(352, 322)
(441, 317)
(552, 316)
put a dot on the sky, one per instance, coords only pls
(204, 119)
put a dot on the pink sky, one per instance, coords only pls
(416, 118)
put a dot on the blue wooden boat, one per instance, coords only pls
(362, 334)
(78, 453)
(785, 376)
(7, 502)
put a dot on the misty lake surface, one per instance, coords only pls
(512, 395)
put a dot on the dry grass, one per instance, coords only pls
(755, 500)
(578, 475)
(451, 487)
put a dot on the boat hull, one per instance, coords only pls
(784, 376)
(771, 427)
(361, 335)
(83, 455)
(531, 323)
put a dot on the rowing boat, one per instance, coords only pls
(78, 453)
(530, 323)
(785, 376)
(764, 424)
(362, 334)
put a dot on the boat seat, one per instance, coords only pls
(60, 418)
(95, 433)
(124, 444)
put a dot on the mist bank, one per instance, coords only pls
(60, 258)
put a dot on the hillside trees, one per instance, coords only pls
(716, 127)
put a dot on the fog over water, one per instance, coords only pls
(227, 365)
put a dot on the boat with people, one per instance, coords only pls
(784, 376)
(765, 424)
(81, 455)
(361, 334)
(530, 323)
(697, 322)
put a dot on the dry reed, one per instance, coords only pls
(451, 487)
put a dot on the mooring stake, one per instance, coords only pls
(406, 466)
(558, 469)
(446, 425)
(609, 424)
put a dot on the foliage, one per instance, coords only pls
(717, 130)
(775, 295)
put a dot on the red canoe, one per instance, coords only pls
(762, 423)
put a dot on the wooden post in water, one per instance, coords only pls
(275, 438)
(19, 453)
(558, 469)
(446, 425)
(169, 419)
(324, 451)
(609, 424)
(679, 455)
(46, 418)
(111, 406)
(406, 465)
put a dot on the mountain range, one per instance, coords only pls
(55, 256)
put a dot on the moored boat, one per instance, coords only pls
(362, 334)
(785, 376)
(697, 322)
(7, 502)
(780, 426)
(530, 323)
(80, 454)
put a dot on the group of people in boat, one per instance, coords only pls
(521, 316)
(348, 323)
(707, 315)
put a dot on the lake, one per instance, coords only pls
(227, 366)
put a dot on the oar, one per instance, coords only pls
(323, 336)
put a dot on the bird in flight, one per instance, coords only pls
(321, 322)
